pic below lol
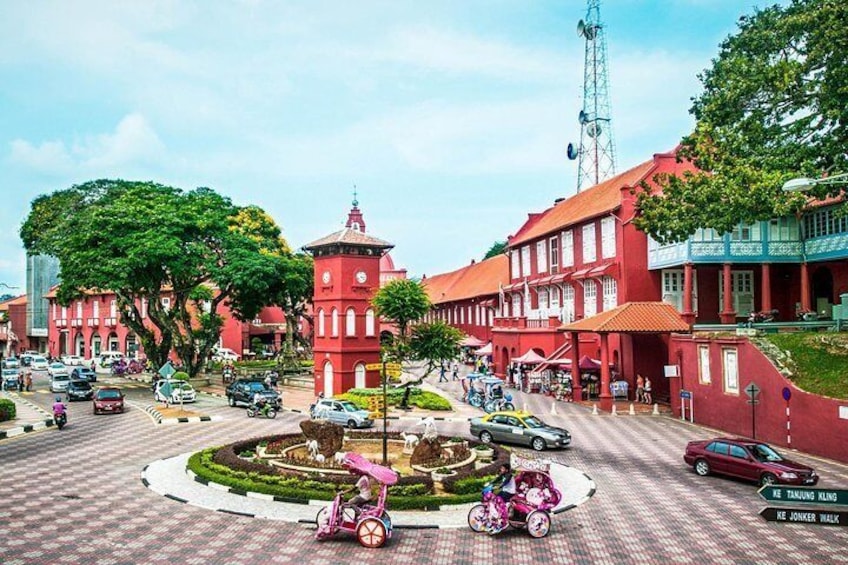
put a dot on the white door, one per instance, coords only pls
(359, 373)
(328, 379)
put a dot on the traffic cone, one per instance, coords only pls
(613, 412)
(594, 410)
(632, 410)
(553, 408)
(656, 411)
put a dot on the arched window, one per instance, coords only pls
(328, 379)
(359, 376)
(320, 322)
(369, 323)
(334, 322)
(350, 322)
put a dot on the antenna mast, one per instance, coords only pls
(597, 150)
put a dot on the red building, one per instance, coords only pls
(346, 337)
(13, 338)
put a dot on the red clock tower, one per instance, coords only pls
(346, 330)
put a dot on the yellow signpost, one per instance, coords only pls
(373, 366)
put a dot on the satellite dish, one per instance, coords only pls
(571, 152)
(581, 28)
(593, 129)
(583, 118)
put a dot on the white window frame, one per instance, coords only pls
(544, 302)
(334, 323)
(673, 288)
(590, 298)
(95, 309)
(553, 298)
(516, 305)
(369, 323)
(608, 237)
(568, 303)
(541, 256)
(165, 301)
(113, 307)
(79, 309)
(525, 261)
(350, 322)
(610, 293)
(730, 370)
(65, 313)
(590, 251)
(568, 248)
(321, 326)
(704, 374)
(553, 249)
(742, 288)
(515, 263)
(143, 308)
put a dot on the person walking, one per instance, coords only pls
(443, 374)
(646, 395)
(28, 381)
(455, 373)
(640, 387)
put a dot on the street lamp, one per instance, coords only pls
(803, 184)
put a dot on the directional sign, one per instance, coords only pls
(393, 373)
(373, 366)
(753, 401)
(752, 390)
(804, 495)
(805, 516)
(393, 366)
(167, 370)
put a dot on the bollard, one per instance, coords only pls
(632, 410)
(613, 412)
(656, 411)
(594, 410)
(553, 408)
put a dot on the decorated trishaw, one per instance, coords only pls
(486, 392)
(531, 507)
(370, 523)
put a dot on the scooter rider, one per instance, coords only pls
(59, 407)
(259, 402)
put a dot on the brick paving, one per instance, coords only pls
(75, 496)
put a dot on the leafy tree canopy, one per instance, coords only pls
(140, 239)
(496, 249)
(401, 302)
(773, 108)
(434, 343)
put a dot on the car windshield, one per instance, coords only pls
(39, 360)
(534, 422)
(108, 394)
(82, 385)
(349, 406)
(764, 452)
(61, 377)
(257, 387)
(57, 365)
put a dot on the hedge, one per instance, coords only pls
(222, 465)
(7, 410)
(394, 396)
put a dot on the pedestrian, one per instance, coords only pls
(640, 388)
(455, 373)
(20, 382)
(647, 392)
(28, 381)
(443, 374)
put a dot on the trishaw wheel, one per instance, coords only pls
(489, 407)
(477, 517)
(476, 401)
(387, 520)
(538, 523)
(371, 532)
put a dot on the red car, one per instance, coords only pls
(746, 459)
(108, 400)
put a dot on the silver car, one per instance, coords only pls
(341, 412)
(519, 427)
(59, 382)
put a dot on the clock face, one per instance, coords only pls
(361, 277)
(326, 277)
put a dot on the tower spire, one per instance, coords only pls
(355, 221)
(596, 152)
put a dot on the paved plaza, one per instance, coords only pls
(77, 496)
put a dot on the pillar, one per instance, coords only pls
(688, 312)
(805, 288)
(576, 384)
(605, 396)
(765, 287)
(728, 314)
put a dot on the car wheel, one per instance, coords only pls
(486, 437)
(702, 468)
(767, 479)
(538, 444)
(351, 424)
(231, 400)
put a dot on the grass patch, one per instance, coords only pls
(423, 399)
(819, 361)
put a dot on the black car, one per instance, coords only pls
(79, 390)
(242, 391)
(84, 374)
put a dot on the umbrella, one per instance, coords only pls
(530, 358)
(472, 341)
(485, 350)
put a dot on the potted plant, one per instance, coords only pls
(455, 440)
(442, 473)
(484, 451)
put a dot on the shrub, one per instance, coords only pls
(180, 376)
(8, 411)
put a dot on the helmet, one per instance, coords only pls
(58, 399)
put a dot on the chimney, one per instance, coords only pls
(558, 200)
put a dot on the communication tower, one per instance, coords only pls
(596, 152)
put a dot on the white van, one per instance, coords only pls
(108, 357)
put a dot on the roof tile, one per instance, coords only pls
(633, 317)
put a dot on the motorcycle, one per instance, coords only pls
(761, 317)
(60, 419)
(266, 410)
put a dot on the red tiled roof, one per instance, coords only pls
(594, 201)
(478, 279)
(349, 237)
(633, 317)
(22, 299)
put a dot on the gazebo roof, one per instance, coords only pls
(633, 317)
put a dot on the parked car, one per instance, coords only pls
(107, 400)
(84, 373)
(79, 390)
(341, 412)
(59, 383)
(39, 363)
(747, 459)
(10, 379)
(56, 369)
(242, 391)
(72, 360)
(11, 363)
(181, 391)
(519, 427)
(225, 354)
(106, 358)
(26, 359)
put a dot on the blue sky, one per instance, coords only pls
(451, 118)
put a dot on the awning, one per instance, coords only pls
(530, 358)
(544, 281)
(471, 341)
(581, 274)
(556, 279)
(485, 350)
(511, 287)
(487, 303)
(610, 269)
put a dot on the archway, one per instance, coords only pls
(822, 290)
(328, 379)
(79, 345)
(112, 343)
(359, 375)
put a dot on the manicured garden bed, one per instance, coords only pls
(420, 398)
(224, 465)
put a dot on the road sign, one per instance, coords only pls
(804, 495)
(686, 394)
(752, 390)
(393, 373)
(805, 516)
(753, 401)
(393, 367)
(373, 366)
(787, 393)
(167, 370)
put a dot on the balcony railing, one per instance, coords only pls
(110, 322)
(76, 322)
(61, 322)
(93, 322)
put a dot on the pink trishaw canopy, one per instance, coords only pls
(357, 463)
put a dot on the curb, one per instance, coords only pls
(160, 419)
(47, 422)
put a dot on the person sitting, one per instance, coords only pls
(364, 496)
(504, 483)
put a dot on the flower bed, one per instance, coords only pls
(420, 398)
(223, 465)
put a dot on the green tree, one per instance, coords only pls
(773, 108)
(434, 343)
(496, 249)
(141, 240)
(402, 301)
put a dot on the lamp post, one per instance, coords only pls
(803, 184)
